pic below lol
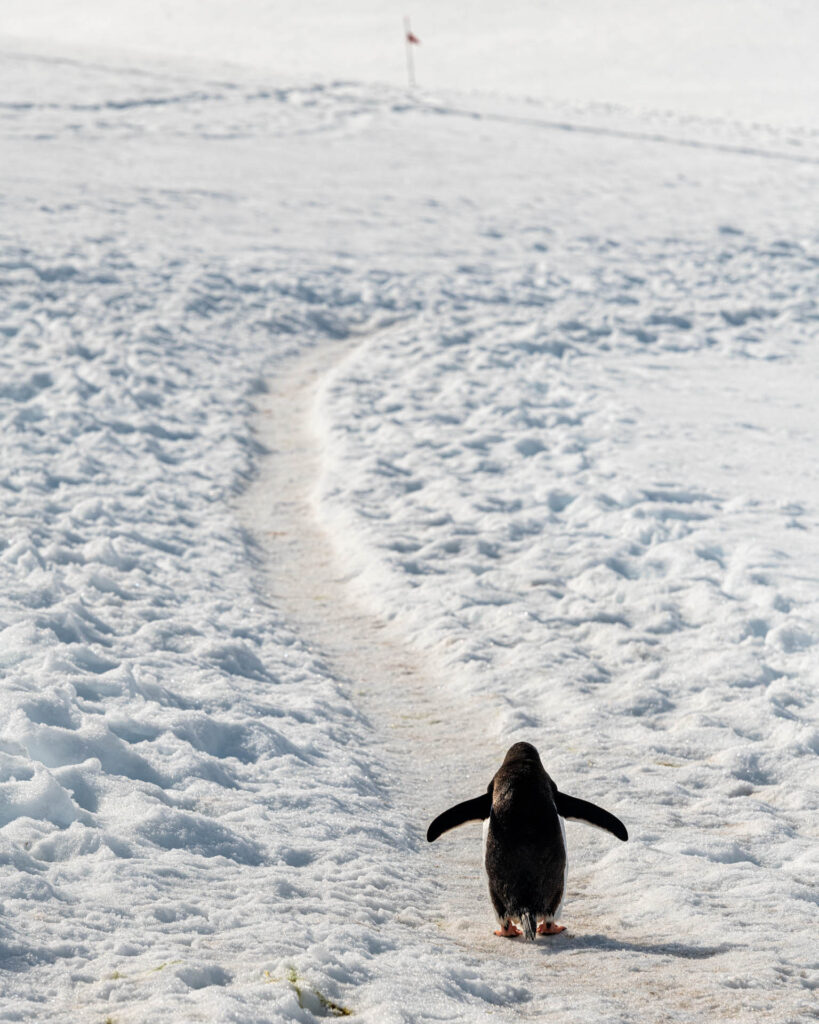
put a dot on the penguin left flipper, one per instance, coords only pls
(581, 810)
(470, 810)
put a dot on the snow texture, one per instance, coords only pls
(351, 435)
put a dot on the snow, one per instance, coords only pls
(351, 435)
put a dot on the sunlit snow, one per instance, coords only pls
(351, 434)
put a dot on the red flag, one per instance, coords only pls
(412, 38)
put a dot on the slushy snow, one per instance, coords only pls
(351, 435)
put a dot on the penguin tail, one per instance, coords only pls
(529, 922)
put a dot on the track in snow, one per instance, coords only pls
(423, 731)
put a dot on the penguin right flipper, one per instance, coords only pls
(581, 810)
(470, 810)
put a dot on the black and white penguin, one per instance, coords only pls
(525, 841)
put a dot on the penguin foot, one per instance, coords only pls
(509, 931)
(550, 928)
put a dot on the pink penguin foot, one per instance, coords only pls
(509, 931)
(550, 928)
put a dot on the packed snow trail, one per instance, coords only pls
(421, 728)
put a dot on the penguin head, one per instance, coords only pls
(522, 752)
(519, 781)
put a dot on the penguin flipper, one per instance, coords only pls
(460, 814)
(581, 810)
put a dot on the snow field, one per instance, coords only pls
(529, 468)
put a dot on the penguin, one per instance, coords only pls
(525, 841)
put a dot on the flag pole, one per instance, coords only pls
(410, 62)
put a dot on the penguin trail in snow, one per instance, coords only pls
(524, 840)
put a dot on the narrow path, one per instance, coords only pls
(430, 740)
